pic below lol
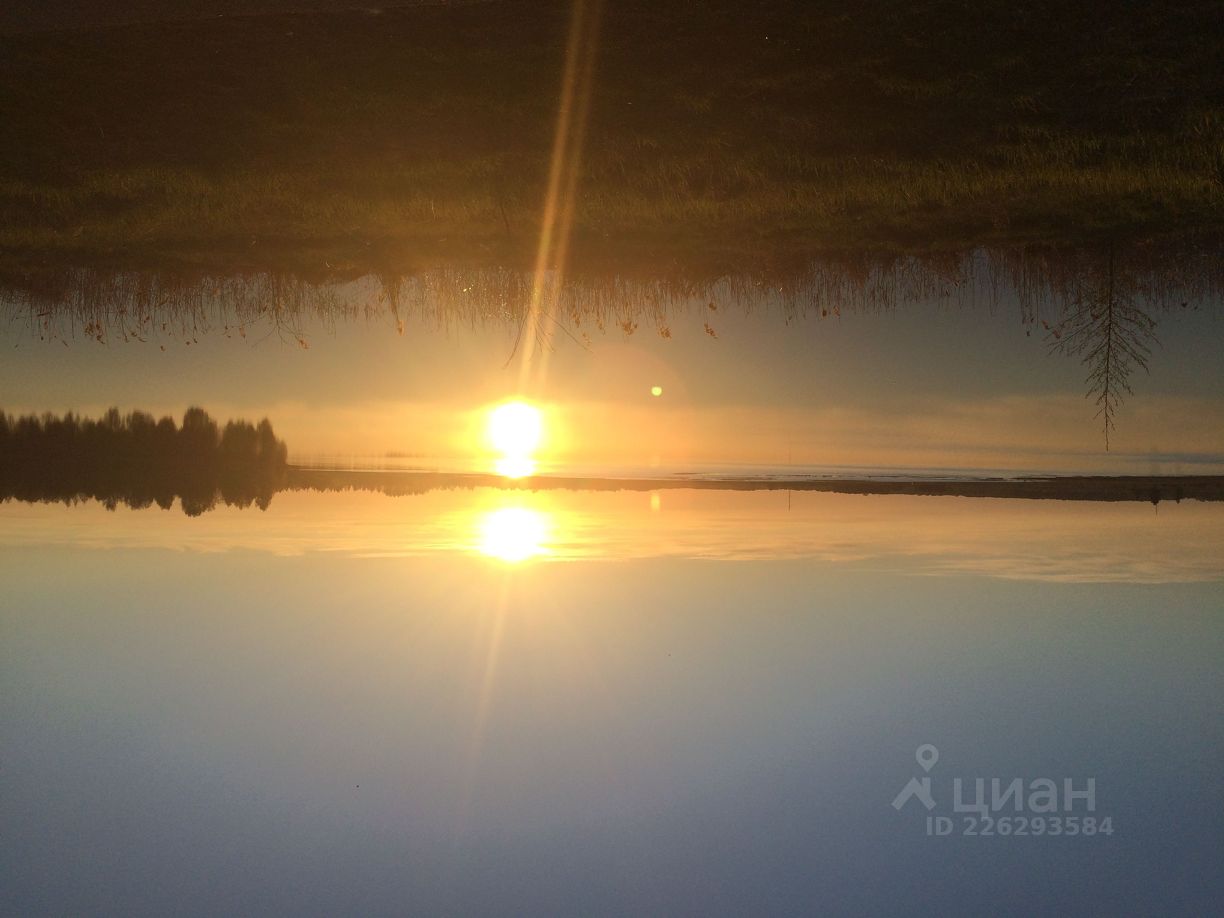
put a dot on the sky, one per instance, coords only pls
(1058, 541)
(323, 734)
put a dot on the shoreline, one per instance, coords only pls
(1143, 488)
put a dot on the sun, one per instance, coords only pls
(514, 431)
(513, 534)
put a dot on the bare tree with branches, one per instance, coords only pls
(1110, 334)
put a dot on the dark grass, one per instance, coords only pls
(722, 132)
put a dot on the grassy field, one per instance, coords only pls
(724, 134)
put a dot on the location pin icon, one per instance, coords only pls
(927, 755)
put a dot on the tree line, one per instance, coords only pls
(139, 461)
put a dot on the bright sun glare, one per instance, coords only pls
(514, 431)
(513, 534)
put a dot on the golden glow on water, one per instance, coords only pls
(514, 534)
(514, 466)
(515, 430)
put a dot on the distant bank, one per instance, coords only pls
(1152, 489)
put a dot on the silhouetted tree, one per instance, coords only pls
(1111, 335)
(139, 461)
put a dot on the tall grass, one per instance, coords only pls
(1043, 283)
(722, 133)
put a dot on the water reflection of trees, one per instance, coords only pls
(1097, 304)
(139, 461)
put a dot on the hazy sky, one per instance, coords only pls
(236, 734)
(1063, 541)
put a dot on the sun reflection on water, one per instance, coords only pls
(514, 430)
(515, 466)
